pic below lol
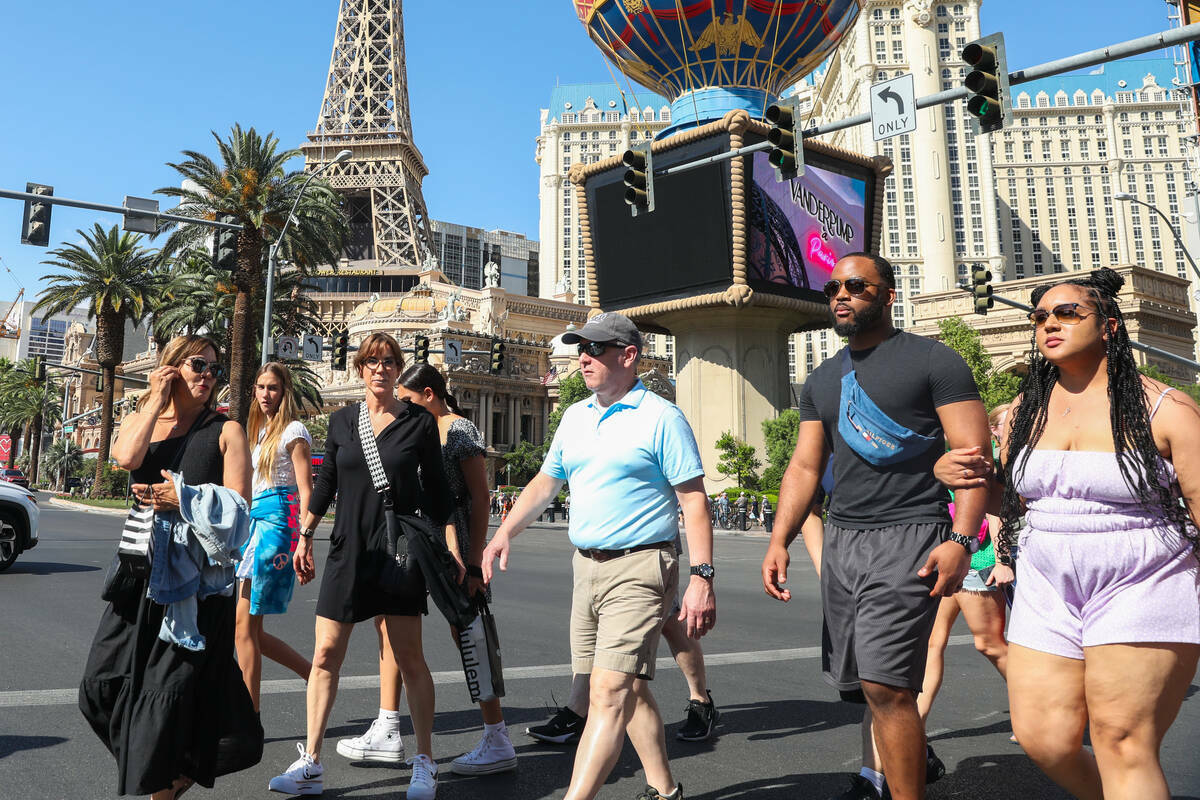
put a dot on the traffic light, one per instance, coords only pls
(100, 382)
(639, 179)
(421, 349)
(497, 362)
(989, 103)
(35, 227)
(787, 143)
(341, 345)
(981, 280)
(39, 368)
(224, 253)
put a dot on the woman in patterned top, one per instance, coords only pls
(282, 460)
(466, 535)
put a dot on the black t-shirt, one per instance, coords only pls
(908, 377)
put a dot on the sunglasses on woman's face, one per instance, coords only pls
(1065, 313)
(854, 286)
(200, 366)
(596, 349)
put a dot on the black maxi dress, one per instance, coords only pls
(410, 449)
(191, 714)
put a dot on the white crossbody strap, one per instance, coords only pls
(366, 435)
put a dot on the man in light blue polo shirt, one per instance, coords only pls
(630, 459)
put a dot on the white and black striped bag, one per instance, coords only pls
(135, 536)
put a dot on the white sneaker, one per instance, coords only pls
(304, 776)
(423, 784)
(494, 753)
(381, 742)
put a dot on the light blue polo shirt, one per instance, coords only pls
(622, 466)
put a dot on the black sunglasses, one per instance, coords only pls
(1065, 313)
(596, 349)
(854, 286)
(200, 366)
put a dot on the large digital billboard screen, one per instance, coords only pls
(800, 228)
(681, 248)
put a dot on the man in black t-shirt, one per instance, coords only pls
(889, 530)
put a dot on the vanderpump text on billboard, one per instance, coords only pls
(800, 228)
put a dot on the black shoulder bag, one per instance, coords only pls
(410, 556)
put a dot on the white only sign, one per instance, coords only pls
(313, 345)
(452, 354)
(893, 107)
(287, 347)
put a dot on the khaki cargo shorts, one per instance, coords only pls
(617, 610)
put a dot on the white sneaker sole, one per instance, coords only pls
(353, 753)
(504, 765)
(304, 788)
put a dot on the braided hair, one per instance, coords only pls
(1142, 468)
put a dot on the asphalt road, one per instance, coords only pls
(783, 733)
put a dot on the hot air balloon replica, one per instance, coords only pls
(731, 259)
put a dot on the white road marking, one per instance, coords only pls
(65, 697)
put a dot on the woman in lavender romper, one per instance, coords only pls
(1105, 631)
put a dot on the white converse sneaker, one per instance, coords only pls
(381, 742)
(494, 753)
(423, 784)
(304, 776)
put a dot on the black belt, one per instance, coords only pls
(605, 555)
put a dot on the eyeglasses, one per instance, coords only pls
(596, 349)
(1065, 313)
(373, 362)
(854, 286)
(200, 366)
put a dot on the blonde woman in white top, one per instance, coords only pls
(282, 458)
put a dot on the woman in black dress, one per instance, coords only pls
(407, 437)
(161, 722)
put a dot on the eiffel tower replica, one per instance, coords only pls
(365, 109)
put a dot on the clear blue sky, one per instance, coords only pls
(97, 97)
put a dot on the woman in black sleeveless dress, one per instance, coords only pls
(183, 716)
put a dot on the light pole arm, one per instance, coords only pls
(269, 303)
(1171, 228)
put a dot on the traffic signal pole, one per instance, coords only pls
(132, 212)
(1133, 47)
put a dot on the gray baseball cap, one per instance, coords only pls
(607, 327)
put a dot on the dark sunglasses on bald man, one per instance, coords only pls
(854, 286)
(200, 366)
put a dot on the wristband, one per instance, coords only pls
(474, 571)
(1005, 559)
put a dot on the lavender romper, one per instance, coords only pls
(1095, 567)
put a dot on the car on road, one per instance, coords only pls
(19, 515)
(14, 476)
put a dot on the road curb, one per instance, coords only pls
(69, 504)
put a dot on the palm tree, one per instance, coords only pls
(203, 300)
(252, 184)
(6, 368)
(113, 275)
(63, 457)
(30, 404)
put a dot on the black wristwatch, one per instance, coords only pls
(969, 543)
(705, 571)
(307, 533)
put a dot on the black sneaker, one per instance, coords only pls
(935, 770)
(650, 793)
(859, 789)
(701, 719)
(565, 727)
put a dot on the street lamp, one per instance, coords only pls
(1129, 197)
(267, 308)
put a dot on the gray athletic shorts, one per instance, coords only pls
(878, 613)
